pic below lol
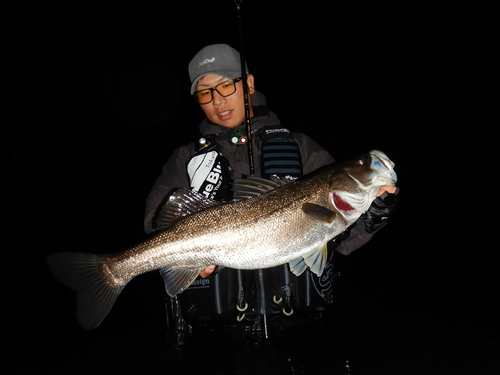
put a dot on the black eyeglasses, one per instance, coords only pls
(224, 89)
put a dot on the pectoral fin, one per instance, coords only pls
(178, 280)
(315, 260)
(319, 212)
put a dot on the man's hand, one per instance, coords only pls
(207, 271)
(386, 188)
(381, 209)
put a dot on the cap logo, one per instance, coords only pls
(206, 61)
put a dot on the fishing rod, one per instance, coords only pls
(260, 275)
(245, 90)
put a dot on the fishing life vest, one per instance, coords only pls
(243, 295)
(280, 154)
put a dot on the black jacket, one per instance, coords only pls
(174, 174)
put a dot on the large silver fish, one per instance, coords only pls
(278, 223)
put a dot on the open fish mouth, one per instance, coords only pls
(384, 166)
(382, 173)
(379, 156)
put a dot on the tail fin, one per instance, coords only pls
(82, 272)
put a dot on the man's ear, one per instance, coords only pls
(251, 83)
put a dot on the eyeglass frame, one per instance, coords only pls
(212, 89)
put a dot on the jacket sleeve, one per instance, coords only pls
(173, 176)
(357, 238)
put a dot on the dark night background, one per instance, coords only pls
(97, 100)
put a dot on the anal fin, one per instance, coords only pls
(178, 280)
(297, 266)
(315, 260)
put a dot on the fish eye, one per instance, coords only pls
(361, 161)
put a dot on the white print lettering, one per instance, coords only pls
(200, 284)
(205, 173)
(323, 284)
(207, 61)
(280, 130)
(214, 181)
(210, 162)
(199, 167)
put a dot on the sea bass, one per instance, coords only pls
(268, 224)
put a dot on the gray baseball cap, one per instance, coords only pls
(220, 59)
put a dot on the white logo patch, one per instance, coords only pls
(207, 61)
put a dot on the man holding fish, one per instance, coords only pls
(216, 84)
(267, 232)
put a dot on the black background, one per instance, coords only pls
(97, 98)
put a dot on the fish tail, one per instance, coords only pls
(83, 273)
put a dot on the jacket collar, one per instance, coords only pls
(262, 117)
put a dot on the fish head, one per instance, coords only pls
(354, 185)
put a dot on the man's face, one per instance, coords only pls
(227, 111)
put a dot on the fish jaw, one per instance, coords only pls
(353, 201)
(385, 168)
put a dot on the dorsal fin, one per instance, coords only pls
(182, 203)
(255, 186)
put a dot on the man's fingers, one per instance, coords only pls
(207, 271)
(386, 188)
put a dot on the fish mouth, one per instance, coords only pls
(384, 166)
(359, 200)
